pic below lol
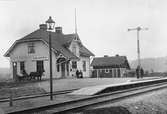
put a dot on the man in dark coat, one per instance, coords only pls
(138, 72)
(81, 74)
(142, 72)
(77, 73)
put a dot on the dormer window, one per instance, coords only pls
(31, 48)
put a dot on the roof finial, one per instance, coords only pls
(75, 22)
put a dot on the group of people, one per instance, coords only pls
(139, 72)
(79, 74)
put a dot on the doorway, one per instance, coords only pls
(40, 67)
(62, 63)
(63, 70)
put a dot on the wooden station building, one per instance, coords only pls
(31, 53)
(106, 66)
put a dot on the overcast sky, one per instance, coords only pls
(102, 24)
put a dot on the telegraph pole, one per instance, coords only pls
(138, 29)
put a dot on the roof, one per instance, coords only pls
(60, 42)
(85, 52)
(110, 61)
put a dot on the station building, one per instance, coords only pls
(109, 67)
(31, 53)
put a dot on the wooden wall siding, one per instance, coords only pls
(109, 67)
(112, 73)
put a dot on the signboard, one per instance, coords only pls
(19, 58)
(33, 58)
(40, 58)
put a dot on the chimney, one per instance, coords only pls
(43, 26)
(58, 30)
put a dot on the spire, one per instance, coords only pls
(76, 34)
(75, 22)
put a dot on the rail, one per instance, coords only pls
(36, 96)
(113, 93)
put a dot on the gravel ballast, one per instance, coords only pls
(149, 103)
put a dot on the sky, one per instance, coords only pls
(101, 24)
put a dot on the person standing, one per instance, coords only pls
(77, 73)
(142, 72)
(138, 72)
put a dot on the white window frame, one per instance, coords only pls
(107, 70)
(74, 49)
(31, 48)
(84, 65)
(74, 64)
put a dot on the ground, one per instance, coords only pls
(30, 88)
(146, 104)
(150, 103)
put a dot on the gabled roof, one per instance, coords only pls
(60, 42)
(85, 52)
(110, 61)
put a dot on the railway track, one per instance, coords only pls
(36, 96)
(124, 91)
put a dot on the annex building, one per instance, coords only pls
(110, 67)
(31, 53)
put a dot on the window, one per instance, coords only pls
(67, 67)
(40, 67)
(74, 64)
(74, 49)
(58, 67)
(110, 71)
(31, 48)
(107, 71)
(84, 65)
(22, 66)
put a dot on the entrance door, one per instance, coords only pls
(63, 69)
(14, 64)
(40, 67)
(67, 67)
(62, 62)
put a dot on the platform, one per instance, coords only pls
(67, 84)
(94, 90)
(44, 101)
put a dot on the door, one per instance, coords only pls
(14, 64)
(40, 67)
(63, 70)
(119, 74)
(115, 73)
(62, 63)
(67, 67)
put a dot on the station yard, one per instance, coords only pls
(31, 88)
(63, 84)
